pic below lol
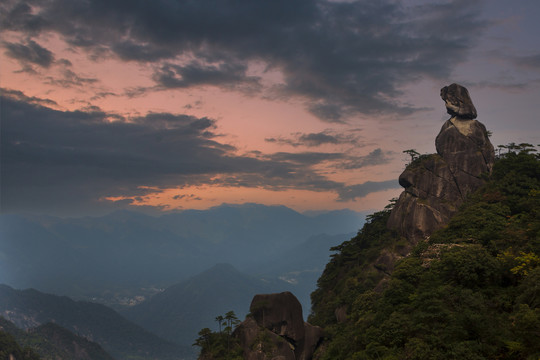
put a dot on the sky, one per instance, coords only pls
(168, 105)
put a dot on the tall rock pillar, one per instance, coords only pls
(437, 184)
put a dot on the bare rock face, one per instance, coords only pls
(437, 184)
(458, 102)
(276, 329)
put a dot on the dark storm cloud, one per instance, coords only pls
(61, 161)
(341, 57)
(29, 52)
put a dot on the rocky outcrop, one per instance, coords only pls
(437, 184)
(458, 102)
(276, 330)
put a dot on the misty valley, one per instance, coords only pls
(170, 275)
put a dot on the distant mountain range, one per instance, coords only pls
(111, 255)
(166, 265)
(121, 338)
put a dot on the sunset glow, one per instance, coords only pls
(107, 111)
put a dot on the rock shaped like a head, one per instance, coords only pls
(458, 102)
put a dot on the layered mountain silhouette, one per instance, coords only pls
(30, 309)
(179, 312)
(88, 257)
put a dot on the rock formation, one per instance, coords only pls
(276, 330)
(437, 184)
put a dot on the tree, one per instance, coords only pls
(220, 322)
(232, 320)
(222, 344)
(203, 340)
(412, 153)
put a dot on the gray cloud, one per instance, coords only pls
(69, 159)
(358, 191)
(531, 62)
(186, 196)
(70, 79)
(129, 50)
(195, 73)
(65, 161)
(316, 139)
(329, 112)
(29, 52)
(341, 57)
(376, 157)
(20, 96)
(306, 158)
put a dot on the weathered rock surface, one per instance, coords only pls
(276, 330)
(458, 102)
(437, 184)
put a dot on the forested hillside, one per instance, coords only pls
(9, 349)
(48, 342)
(469, 291)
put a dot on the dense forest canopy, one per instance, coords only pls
(469, 291)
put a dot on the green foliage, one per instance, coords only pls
(412, 153)
(8, 346)
(471, 292)
(349, 272)
(221, 344)
(51, 341)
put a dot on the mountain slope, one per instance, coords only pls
(52, 342)
(470, 291)
(179, 312)
(118, 336)
(10, 349)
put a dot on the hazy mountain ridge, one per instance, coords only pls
(126, 253)
(91, 255)
(118, 336)
(179, 312)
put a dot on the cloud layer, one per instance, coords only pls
(342, 58)
(54, 159)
